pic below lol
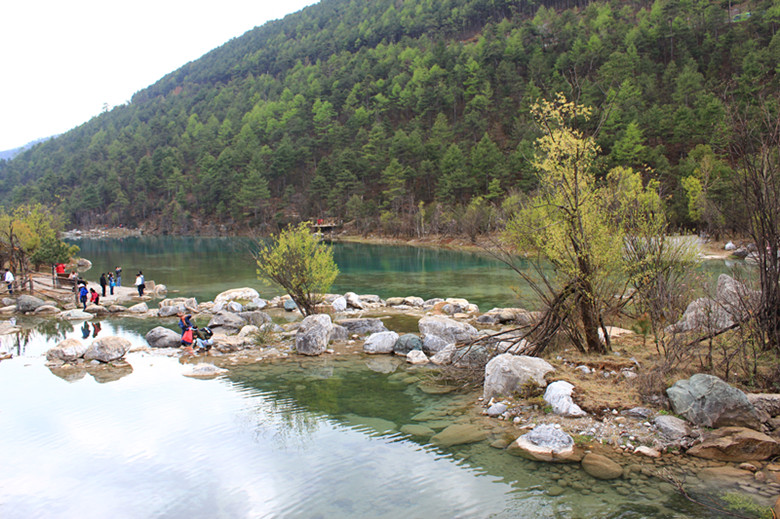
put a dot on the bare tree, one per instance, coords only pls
(755, 148)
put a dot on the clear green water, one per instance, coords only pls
(312, 438)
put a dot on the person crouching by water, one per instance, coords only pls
(94, 297)
(187, 332)
(139, 283)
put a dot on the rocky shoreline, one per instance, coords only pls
(729, 440)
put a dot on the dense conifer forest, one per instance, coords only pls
(413, 116)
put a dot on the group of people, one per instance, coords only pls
(111, 280)
(191, 334)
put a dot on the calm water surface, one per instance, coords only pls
(314, 438)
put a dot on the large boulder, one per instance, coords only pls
(406, 343)
(444, 356)
(161, 337)
(707, 400)
(545, 443)
(736, 444)
(447, 329)
(505, 374)
(46, 310)
(140, 308)
(107, 349)
(416, 357)
(339, 304)
(381, 342)
(313, 335)
(558, 395)
(431, 344)
(601, 467)
(354, 301)
(227, 323)
(237, 294)
(187, 305)
(26, 303)
(362, 326)
(67, 350)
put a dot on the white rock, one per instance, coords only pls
(558, 395)
(416, 357)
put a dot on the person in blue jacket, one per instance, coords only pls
(83, 295)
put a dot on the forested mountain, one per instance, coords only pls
(410, 113)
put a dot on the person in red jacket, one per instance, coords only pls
(94, 297)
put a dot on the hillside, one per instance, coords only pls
(401, 114)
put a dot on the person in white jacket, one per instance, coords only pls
(8, 277)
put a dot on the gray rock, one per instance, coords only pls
(406, 343)
(140, 308)
(313, 335)
(558, 395)
(26, 303)
(444, 356)
(237, 294)
(707, 400)
(447, 329)
(46, 310)
(671, 427)
(185, 305)
(363, 326)
(339, 304)
(381, 342)
(601, 467)
(76, 315)
(474, 356)
(340, 334)
(107, 349)
(433, 344)
(161, 337)
(255, 317)
(290, 305)
(354, 301)
(497, 409)
(227, 323)
(545, 443)
(416, 357)
(505, 374)
(640, 413)
(67, 350)
(256, 304)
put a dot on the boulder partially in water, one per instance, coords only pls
(107, 349)
(314, 334)
(545, 443)
(381, 342)
(27, 303)
(237, 294)
(162, 337)
(459, 434)
(406, 343)
(68, 350)
(601, 467)
(447, 329)
(362, 326)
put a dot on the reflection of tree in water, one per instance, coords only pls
(54, 329)
(298, 399)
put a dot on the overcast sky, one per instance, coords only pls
(61, 61)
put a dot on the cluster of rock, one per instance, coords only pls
(732, 302)
(105, 350)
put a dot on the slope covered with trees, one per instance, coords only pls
(414, 115)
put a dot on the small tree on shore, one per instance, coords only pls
(298, 262)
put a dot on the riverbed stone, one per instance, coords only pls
(46, 310)
(416, 357)
(363, 326)
(97, 310)
(447, 329)
(545, 443)
(255, 317)
(354, 301)
(601, 467)
(237, 294)
(339, 304)
(381, 342)
(444, 356)
(735, 444)
(187, 305)
(27, 303)
(67, 350)
(418, 430)
(162, 337)
(140, 308)
(766, 403)
(314, 334)
(204, 370)
(76, 315)
(559, 396)
(432, 344)
(505, 374)
(406, 343)
(459, 434)
(107, 349)
(382, 364)
(671, 427)
(228, 323)
(707, 400)
(475, 356)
